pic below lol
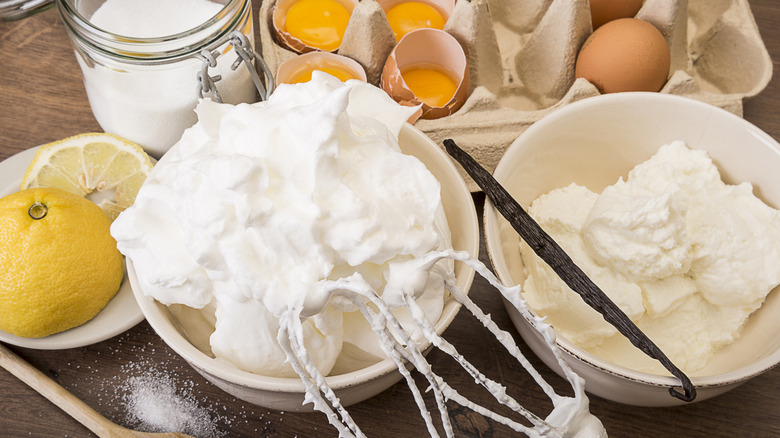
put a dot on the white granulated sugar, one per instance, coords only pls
(153, 18)
(156, 402)
(154, 395)
(146, 103)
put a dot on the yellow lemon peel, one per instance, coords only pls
(59, 265)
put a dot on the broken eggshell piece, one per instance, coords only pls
(427, 48)
(283, 36)
(342, 67)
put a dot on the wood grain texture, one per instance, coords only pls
(42, 99)
(75, 407)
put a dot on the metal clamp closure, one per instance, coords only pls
(246, 55)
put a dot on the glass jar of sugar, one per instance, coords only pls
(142, 61)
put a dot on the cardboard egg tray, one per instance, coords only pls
(522, 53)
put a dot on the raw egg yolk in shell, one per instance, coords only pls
(408, 16)
(341, 74)
(430, 85)
(318, 23)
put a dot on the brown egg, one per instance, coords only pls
(602, 11)
(429, 67)
(625, 55)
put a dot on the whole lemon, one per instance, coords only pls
(59, 265)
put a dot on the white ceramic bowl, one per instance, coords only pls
(286, 394)
(592, 143)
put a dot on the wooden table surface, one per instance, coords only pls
(42, 99)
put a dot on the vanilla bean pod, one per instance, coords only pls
(549, 251)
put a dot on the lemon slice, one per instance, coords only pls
(104, 168)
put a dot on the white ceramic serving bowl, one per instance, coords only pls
(595, 141)
(287, 394)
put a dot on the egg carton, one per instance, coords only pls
(522, 53)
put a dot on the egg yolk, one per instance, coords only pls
(318, 23)
(430, 85)
(342, 75)
(408, 16)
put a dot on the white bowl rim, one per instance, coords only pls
(224, 371)
(490, 216)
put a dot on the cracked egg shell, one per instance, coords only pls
(342, 67)
(308, 10)
(442, 62)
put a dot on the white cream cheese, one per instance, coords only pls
(686, 256)
(561, 213)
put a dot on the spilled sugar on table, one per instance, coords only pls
(42, 99)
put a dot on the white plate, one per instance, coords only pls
(121, 313)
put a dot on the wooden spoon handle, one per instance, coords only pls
(57, 394)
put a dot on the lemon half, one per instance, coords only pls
(59, 265)
(104, 168)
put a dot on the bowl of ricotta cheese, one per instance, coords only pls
(670, 206)
(260, 247)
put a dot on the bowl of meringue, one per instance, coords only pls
(669, 206)
(282, 248)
